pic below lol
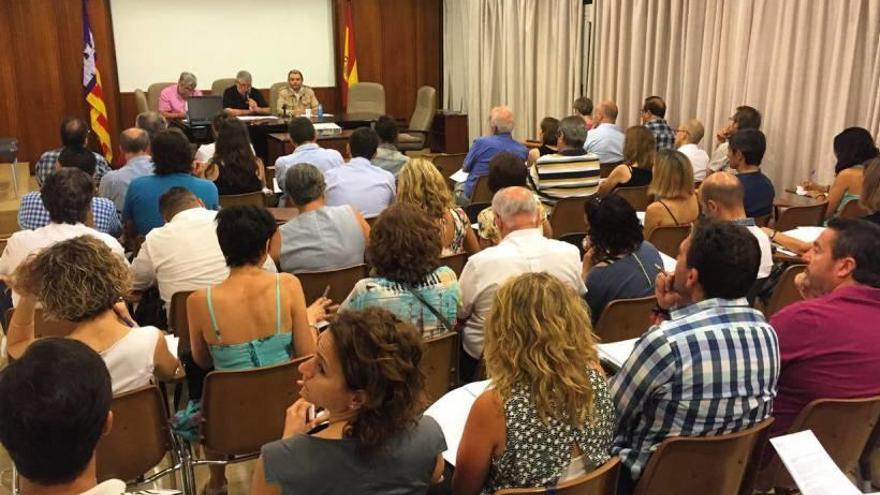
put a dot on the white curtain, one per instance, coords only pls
(522, 53)
(811, 67)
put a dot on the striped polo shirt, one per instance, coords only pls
(570, 173)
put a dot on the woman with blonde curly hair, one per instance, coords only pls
(548, 415)
(420, 184)
(81, 282)
(371, 437)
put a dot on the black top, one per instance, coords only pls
(758, 193)
(873, 217)
(228, 183)
(546, 150)
(233, 99)
(638, 177)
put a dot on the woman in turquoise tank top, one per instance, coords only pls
(254, 318)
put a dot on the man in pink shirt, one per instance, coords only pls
(172, 100)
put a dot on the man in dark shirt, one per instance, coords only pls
(745, 154)
(242, 99)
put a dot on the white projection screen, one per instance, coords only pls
(158, 39)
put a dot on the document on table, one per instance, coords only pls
(616, 353)
(805, 234)
(810, 465)
(251, 118)
(459, 176)
(451, 412)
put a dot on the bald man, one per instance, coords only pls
(687, 137)
(721, 198)
(135, 146)
(476, 163)
(606, 139)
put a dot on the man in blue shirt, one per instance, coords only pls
(476, 163)
(172, 162)
(135, 145)
(306, 150)
(745, 152)
(606, 139)
(360, 184)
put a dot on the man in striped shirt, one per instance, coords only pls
(713, 365)
(571, 172)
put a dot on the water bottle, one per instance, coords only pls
(320, 113)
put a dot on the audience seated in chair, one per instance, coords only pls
(672, 185)
(548, 135)
(570, 172)
(387, 155)
(653, 114)
(172, 99)
(321, 237)
(74, 134)
(420, 185)
(408, 280)
(870, 199)
(476, 163)
(745, 152)
(522, 249)
(54, 408)
(234, 168)
(639, 153)
(670, 386)
(583, 108)
(745, 117)
(687, 137)
(151, 123)
(81, 281)
(135, 146)
(605, 140)
(68, 196)
(619, 263)
(365, 376)
(306, 150)
(359, 183)
(548, 416)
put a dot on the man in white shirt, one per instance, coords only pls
(606, 139)
(687, 137)
(721, 198)
(306, 150)
(360, 184)
(67, 196)
(523, 249)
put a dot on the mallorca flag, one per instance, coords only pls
(92, 89)
(349, 59)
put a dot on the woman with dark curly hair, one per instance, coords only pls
(404, 251)
(619, 262)
(365, 376)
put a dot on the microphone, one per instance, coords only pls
(284, 109)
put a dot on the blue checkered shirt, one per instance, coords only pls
(711, 369)
(32, 214)
(663, 134)
(46, 165)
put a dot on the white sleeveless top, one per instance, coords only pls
(130, 359)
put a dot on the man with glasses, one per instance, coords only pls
(242, 98)
(687, 136)
(172, 99)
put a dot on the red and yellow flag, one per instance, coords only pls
(92, 89)
(349, 58)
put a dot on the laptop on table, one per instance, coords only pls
(201, 110)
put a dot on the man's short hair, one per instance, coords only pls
(511, 202)
(188, 79)
(363, 143)
(501, 118)
(655, 106)
(583, 106)
(751, 143)
(746, 117)
(726, 257)
(695, 130)
(67, 195)
(386, 129)
(609, 109)
(74, 132)
(152, 122)
(54, 402)
(304, 183)
(301, 130)
(134, 141)
(297, 72)
(78, 157)
(729, 193)
(244, 76)
(175, 200)
(573, 131)
(172, 153)
(506, 170)
(858, 239)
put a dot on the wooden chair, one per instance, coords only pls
(177, 320)
(801, 216)
(576, 239)
(45, 326)
(568, 216)
(842, 426)
(481, 193)
(455, 261)
(440, 365)
(341, 282)
(637, 196)
(601, 481)
(473, 210)
(139, 439)
(449, 164)
(668, 239)
(625, 319)
(249, 199)
(720, 464)
(785, 291)
(605, 169)
(853, 209)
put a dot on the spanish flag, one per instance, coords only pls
(92, 89)
(349, 59)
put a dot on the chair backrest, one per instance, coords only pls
(785, 291)
(220, 85)
(256, 198)
(273, 94)
(606, 168)
(473, 210)
(440, 365)
(243, 410)
(455, 261)
(720, 464)
(153, 94)
(177, 318)
(426, 107)
(139, 438)
(625, 319)
(45, 326)
(601, 481)
(636, 196)
(140, 101)
(576, 239)
(852, 209)
(568, 216)
(367, 99)
(801, 216)
(481, 193)
(449, 164)
(341, 282)
(667, 239)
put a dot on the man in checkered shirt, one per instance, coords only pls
(74, 134)
(712, 366)
(653, 112)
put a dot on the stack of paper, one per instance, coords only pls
(810, 465)
(805, 234)
(616, 353)
(459, 176)
(451, 412)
